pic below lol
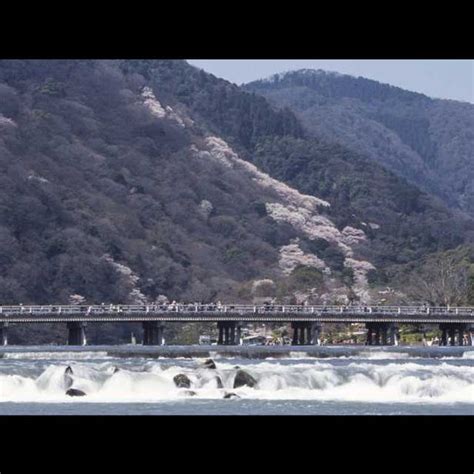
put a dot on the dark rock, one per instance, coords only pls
(182, 381)
(231, 395)
(243, 378)
(116, 369)
(237, 367)
(68, 370)
(210, 364)
(190, 393)
(219, 382)
(74, 392)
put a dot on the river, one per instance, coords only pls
(328, 381)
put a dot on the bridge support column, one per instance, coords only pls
(377, 335)
(315, 330)
(452, 336)
(229, 333)
(444, 335)
(455, 333)
(294, 341)
(392, 335)
(76, 333)
(305, 333)
(370, 335)
(152, 333)
(381, 334)
(301, 334)
(3, 334)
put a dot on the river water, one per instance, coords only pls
(370, 382)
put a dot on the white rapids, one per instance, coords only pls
(23, 379)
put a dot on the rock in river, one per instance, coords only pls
(74, 392)
(209, 364)
(182, 381)
(243, 378)
(231, 395)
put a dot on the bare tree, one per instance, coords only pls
(444, 281)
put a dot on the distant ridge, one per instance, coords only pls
(427, 141)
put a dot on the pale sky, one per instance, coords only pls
(443, 79)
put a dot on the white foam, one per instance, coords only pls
(382, 355)
(410, 382)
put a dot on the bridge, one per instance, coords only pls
(456, 323)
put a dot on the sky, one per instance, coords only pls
(443, 79)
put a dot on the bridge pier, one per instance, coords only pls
(377, 335)
(229, 333)
(76, 333)
(392, 335)
(452, 336)
(444, 336)
(456, 334)
(305, 333)
(152, 333)
(369, 335)
(3, 334)
(381, 334)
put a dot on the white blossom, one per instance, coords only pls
(152, 103)
(291, 256)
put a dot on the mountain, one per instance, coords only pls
(429, 142)
(126, 180)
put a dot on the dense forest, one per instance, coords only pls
(128, 181)
(428, 141)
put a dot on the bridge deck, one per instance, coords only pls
(235, 312)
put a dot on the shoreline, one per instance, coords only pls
(248, 352)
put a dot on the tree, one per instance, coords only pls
(443, 281)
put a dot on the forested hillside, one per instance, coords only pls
(101, 197)
(429, 142)
(128, 180)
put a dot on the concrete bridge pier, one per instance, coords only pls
(469, 336)
(229, 333)
(76, 333)
(444, 336)
(314, 333)
(370, 334)
(453, 334)
(381, 334)
(392, 335)
(3, 334)
(301, 335)
(152, 333)
(305, 333)
(377, 335)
